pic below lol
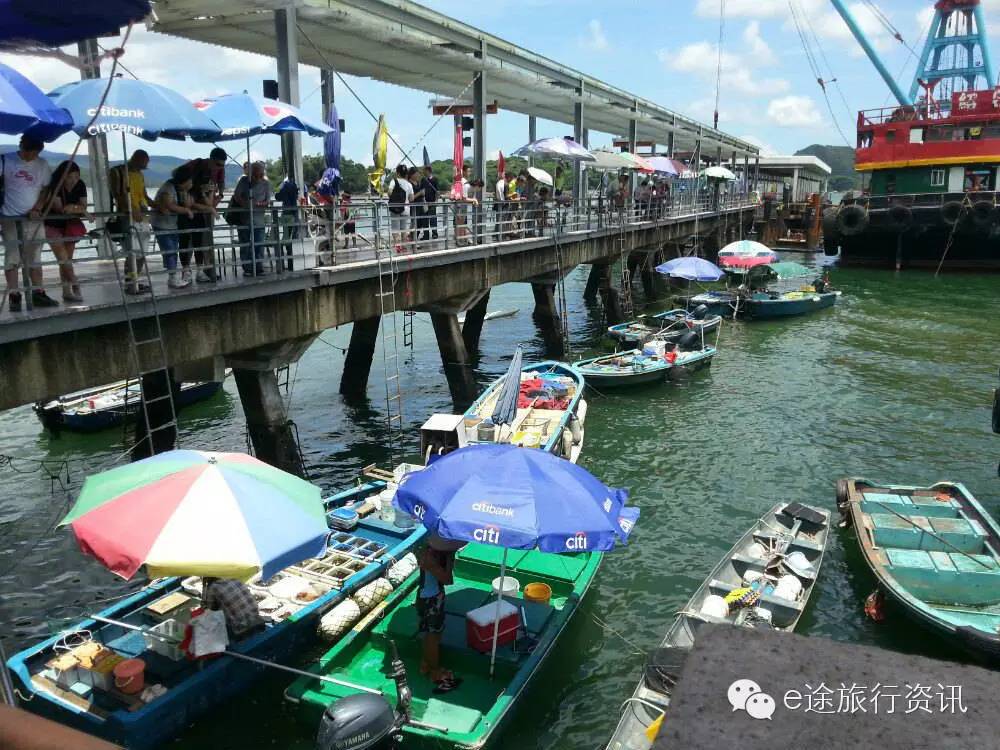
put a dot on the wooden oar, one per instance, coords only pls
(935, 536)
(243, 657)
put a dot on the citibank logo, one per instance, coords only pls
(487, 535)
(577, 542)
(493, 510)
(419, 511)
(108, 111)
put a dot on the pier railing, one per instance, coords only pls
(87, 261)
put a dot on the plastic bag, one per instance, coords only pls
(208, 633)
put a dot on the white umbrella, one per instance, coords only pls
(609, 161)
(540, 175)
(559, 148)
(719, 173)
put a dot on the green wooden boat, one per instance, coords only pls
(934, 550)
(470, 715)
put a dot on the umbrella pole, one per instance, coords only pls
(243, 657)
(496, 620)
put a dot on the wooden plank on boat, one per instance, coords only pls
(44, 685)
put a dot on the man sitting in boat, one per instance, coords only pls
(437, 564)
(237, 603)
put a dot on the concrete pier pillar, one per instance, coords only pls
(358, 360)
(160, 434)
(649, 277)
(472, 328)
(455, 358)
(271, 432)
(597, 271)
(287, 36)
(546, 316)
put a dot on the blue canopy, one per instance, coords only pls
(505, 410)
(243, 116)
(691, 268)
(146, 110)
(517, 498)
(25, 108)
(49, 23)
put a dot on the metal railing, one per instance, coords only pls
(82, 263)
(922, 200)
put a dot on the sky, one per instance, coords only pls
(665, 51)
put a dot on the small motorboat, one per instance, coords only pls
(68, 677)
(664, 326)
(936, 552)
(655, 362)
(780, 290)
(110, 405)
(764, 581)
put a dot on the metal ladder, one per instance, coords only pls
(389, 328)
(626, 276)
(408, 316)
(146, 331)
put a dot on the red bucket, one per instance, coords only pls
(130, 676)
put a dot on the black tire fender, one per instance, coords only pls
(983, 213)
(852, 220)
(951, 212)
(900, 217)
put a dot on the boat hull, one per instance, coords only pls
(634, 334)
(218, 681)
(972, 615)
(655, 373)
(55, 418)
(784, 308)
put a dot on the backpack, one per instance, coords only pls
(397, 198)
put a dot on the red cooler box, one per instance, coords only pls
(479, 625)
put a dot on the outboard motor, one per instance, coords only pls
(367, 722)
(700, 312)
(689, 341)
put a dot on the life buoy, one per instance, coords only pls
(951, 212)
(852, 220)
(900, 217)
(983, 213)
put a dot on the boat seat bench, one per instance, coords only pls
(877, 502)
(945, 577)
(963, 534)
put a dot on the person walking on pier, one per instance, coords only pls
(209, 185)
(168, 207)
(429, 187)
(128, 193)
(400, 191)
(253, 197)
(417, 206)
(64, 201)
(24, 175)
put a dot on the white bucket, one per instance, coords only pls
(789, 587)
(510, 586)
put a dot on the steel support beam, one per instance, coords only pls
(287, 35)
(97, 147)
(479, 142)
(578, 137)
(532, 134)
(327, 90)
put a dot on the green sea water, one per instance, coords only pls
(893, 384)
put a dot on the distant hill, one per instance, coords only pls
(158, 172)
(841, 161)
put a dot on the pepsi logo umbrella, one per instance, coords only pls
(25, 108)
(188, 512)
(691, 268)
(146, 110)
(244, 116)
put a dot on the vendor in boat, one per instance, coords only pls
(437, 565)
(237, 603)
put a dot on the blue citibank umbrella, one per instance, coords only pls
(517, 498)
(53, 23)
(691, 268)
(146, 110)
(25, 108)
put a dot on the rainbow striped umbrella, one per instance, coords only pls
(187, 512)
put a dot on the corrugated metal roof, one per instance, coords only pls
(400, 42)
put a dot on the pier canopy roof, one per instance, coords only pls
(785, 166)
(400, 42)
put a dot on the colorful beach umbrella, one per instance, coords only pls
(691, 268)
(146, 110)
(663, 165)
(746, 254)
(718, 173)
(188, 512)
(25, 108)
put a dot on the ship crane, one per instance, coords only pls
(955, 56)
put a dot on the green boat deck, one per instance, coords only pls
(471, 712)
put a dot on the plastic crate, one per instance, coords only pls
(169, 629)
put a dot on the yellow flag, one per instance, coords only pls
(380, 146)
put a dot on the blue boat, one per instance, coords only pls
(765, 305)
(934, 551)
(780, 290)
(69, 695)
(664, 326)
(110, 405)
(716, 302)
(636, 367)
(550, 412)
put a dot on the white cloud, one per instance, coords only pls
(739, 74)
(595, 40)
(759, 50)
(794, 112)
